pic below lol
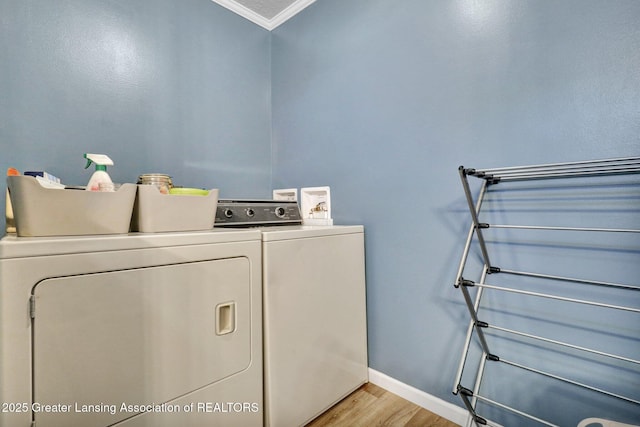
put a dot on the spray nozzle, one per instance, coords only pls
(101, 161)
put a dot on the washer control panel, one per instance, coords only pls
(253, 213)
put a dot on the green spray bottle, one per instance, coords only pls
(100, 180)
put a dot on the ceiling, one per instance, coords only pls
(266, 13)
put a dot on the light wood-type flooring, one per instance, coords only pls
(371, 405)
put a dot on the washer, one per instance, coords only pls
(135, 330)
(314, 302)
(315, 328)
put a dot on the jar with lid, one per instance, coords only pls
(162, 181)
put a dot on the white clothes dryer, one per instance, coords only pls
(139, 330)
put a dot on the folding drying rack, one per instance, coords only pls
(478, 328)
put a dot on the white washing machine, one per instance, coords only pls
(315, 327)
(135, 330)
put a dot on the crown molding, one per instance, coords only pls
(269, 24)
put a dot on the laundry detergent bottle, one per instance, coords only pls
(100, 180)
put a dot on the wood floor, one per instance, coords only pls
(371, 405)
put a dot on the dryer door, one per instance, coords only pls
(136, 337)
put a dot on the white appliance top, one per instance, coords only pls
(12, 246)
(270, 234)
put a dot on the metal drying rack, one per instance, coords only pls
(477, 327)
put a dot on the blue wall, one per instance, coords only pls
(160, 86)
(383, 100)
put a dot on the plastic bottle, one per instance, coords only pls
(10, 220)
(100, 175)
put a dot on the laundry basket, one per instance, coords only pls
(155, 212)
(40, 211)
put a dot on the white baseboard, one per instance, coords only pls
(431, 403)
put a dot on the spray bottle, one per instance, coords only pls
(100, 176)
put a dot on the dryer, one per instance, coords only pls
(134, 330)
